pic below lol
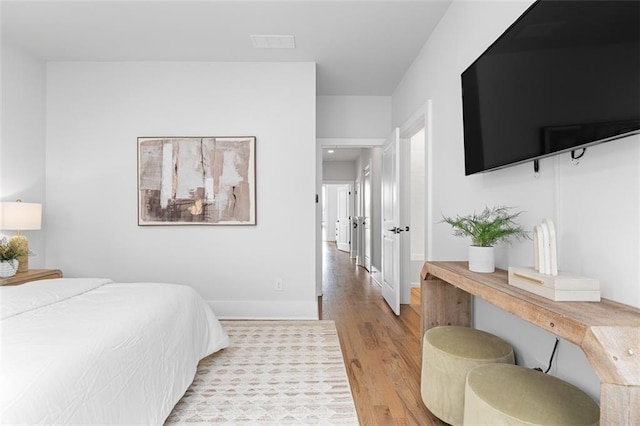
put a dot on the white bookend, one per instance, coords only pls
(536, 248)
(545, 249)
(553, 247)
(564, 287)
(540, 249)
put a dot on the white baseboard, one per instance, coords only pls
(416, 267)
(260, 310)
(376, 276)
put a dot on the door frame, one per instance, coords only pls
(351, 185)
(346, 224)
(421, 118)
(322, 143)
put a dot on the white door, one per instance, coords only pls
(344, 220)
(355, 244)
(366, 219)
(391, 226)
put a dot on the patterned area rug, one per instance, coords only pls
(272, 373)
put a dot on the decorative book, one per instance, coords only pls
(563, 287)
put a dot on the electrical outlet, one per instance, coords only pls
(279, 286)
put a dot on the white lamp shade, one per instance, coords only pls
(20, 216)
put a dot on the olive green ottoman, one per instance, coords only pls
(448, 354)
(500, 394)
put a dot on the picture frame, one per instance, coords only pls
(208, 180)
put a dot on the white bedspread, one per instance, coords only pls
(90, 351)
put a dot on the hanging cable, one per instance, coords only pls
(555, 346)
(552, 354)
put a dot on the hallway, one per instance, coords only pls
(381, 351)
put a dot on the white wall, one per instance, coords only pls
(22, 147)
(339, 170)
(596, 205)
(353, 116)
(95, 112)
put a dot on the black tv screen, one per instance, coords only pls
(565, 75)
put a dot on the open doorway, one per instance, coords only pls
(364, 170)
(403, 205)
(354, 162)
(416, 133)
(337, 207)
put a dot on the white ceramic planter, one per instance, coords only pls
(8, 268)
(481, 259)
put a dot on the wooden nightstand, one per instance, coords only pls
(31, 275)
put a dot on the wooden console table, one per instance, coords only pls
(608, 332)
(31, 275)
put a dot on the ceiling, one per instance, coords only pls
(341, 154)
(361, 47)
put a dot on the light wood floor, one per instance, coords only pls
(381, 351)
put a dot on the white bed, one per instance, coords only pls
(91, 351)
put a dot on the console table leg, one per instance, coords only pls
(619, 404)
(443, 304)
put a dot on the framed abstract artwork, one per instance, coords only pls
(197, 180)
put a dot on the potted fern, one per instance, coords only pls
(486, 229)
(10, 251)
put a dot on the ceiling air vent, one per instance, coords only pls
(273, 42)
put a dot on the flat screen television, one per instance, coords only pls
(564, 76)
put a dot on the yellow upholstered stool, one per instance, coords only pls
(501, 394)
(448, 354)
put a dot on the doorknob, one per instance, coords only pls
(396, 230)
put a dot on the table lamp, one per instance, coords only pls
(19, 216)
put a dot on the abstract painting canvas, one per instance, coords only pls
(196, 181)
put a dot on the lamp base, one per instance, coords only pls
(23, 261)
